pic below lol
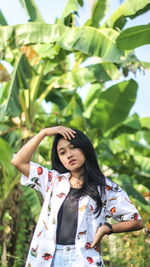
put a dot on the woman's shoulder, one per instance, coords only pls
(111, 185)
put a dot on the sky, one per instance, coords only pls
(15, 14)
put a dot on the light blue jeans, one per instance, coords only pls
(64, 256)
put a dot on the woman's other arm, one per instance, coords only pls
(23, 157)
(120, 227)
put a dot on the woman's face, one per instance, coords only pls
(71, 157)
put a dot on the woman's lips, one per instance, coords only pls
(73, 161)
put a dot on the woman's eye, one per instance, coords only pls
(62, 153)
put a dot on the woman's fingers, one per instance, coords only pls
(101, 231)
(96, 240)
(67, 133)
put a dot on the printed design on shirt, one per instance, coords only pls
(81, 234)
(39, 170)
(31, 185)
(88, 245)
(34, 251)
(117, 188)
(49, 210)
(110, 199)
(39, 234)
(59, 178)
(35, 180)
(47, 188)
(134, 216)
(108, 188)
(50, 176)
(51, 194)
(113, 210)
(91, 209)
(82, 207)
(29, 264)
(90, 260)
(47, 256)
(99, 263)
(61, 195)
(54, 220)
(128, 200)
(45, 225)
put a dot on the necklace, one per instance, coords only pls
(76, 183)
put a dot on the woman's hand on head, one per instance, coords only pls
(66, 132)
(22, 159)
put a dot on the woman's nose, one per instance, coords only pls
(69, 154)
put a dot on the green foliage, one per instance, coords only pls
(51, 64)
(114, 105)
(24, 227)
(71, 7)
(2, 19)
(32, 197)
(127, 9)
(128, 39)
(127, 250)
(99, 10)
(92, 41)
(31, 10)
(19, 81)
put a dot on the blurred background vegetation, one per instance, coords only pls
(51, 62)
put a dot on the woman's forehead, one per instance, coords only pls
(62, 143)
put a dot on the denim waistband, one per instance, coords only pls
(65, 247)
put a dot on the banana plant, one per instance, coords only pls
(51, 63)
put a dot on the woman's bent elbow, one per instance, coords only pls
(139, 225)
(14, 162)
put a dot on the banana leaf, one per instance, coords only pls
(92, 41)
(134, 37)
(32, 10)
(99, 10)
(33, 201)
(3, 21)
(21, 73)
(114, 105)
(127, 9)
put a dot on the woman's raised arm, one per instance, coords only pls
(22, 158)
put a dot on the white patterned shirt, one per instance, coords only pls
(54, 188)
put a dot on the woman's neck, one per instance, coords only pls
(76, 180)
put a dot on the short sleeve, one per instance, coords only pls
(40, 178)
(117, 203)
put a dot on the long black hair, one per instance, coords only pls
(93, 177)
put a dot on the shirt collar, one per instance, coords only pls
(67, 175)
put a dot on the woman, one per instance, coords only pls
(78, 199)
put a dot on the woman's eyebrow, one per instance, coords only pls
(61, 148)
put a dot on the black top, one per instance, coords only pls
(67, 219)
